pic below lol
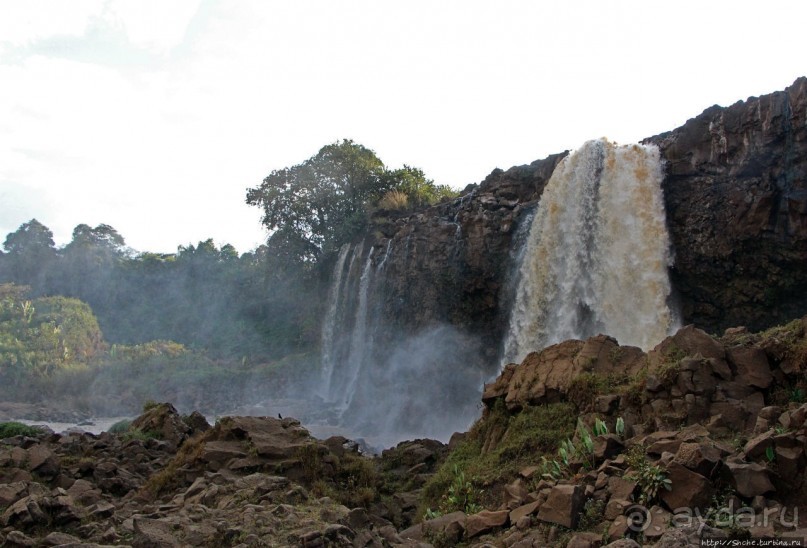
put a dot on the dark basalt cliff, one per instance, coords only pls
(736, 199)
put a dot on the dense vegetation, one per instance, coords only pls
(314, 207)
(95, 313)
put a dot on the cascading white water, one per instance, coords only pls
(597, 255)
(361, 341)
(329, 323)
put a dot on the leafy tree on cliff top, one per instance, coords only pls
(314, 207)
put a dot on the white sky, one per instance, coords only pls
(156, 116)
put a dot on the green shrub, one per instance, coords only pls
(120, 427)
(11, 429)
(498, 446)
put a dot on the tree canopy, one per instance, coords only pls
(316, 206)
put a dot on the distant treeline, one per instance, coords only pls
(204, 327)
(203, 296)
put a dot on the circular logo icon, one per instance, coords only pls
(638, 518)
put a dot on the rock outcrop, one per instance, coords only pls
(736, 197)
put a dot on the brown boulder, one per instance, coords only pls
(163, 421)
(152, 533)
(525, 510)
(485, 521)
(544, 376)
(790, 463)
(751, 365)
(585, 540)
(689, 489)
(563, 506)
(749, 480)
(701, 458)
(450, 526)
(688, 341)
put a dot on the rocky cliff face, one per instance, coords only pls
(736, 199)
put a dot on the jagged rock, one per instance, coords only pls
(687, 341)
(485, 521)
(58, 538)
(618, 529)
(516, 493)
(752, 366)
(701, 458)
(736, 211)
(616, 507)
(607, 447)
(757, 446)
(749, 480)
(42, 461)
(197, 423)
(790, 462)
(499, 387)
(562, 506)
(451, 525)
(585, 540)
(153, 533)
(12, 492)
(689, 489)
(163, 420)
(16, 539)
(544, 376)
(620, 487)
(659, 523)
(84, 492)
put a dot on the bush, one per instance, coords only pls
(499, 445)
(11, 429)
(120, 427)
(394, 200)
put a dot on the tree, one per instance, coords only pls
(30, 254)
(316, 206)
(419, 190)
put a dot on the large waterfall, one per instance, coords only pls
(597, 255)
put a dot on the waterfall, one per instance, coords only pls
(335, 299)
(361, 342)
(597, 255)
(369, 363)
(347, 330)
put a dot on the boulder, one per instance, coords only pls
(751, 365)
(525, 510)
(790, 462)
(153, 533)
(163, 421)
(749, 480)
(563, 506)
(544, 376)
(701, 458)
(689, 489)
(585, 540)
(757, 446)
(451, 525)
(485, 521)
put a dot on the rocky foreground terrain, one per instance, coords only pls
(585, 444)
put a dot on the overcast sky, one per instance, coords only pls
(155, 116)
